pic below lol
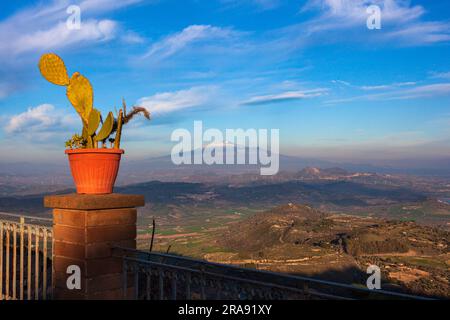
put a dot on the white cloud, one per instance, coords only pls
(399, 19)
(30, 31)
(132, 38)
(43, 26)
(431, 90)
(176, 42)
(44, 118)
(345, 83)
(284, 96)
(440, 75)
(60, 36)
(422, 33)
(167, 102)
(354, 11)
(375, 87)
(422, 91)
(102, 6)
(388, 86)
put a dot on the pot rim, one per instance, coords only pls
(94, 150)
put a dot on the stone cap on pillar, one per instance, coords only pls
(93, 201)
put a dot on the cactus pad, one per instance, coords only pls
(93, 122)
(80, 94)
(106, 129)
(53, 69)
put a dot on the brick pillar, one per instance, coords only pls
(85, 227)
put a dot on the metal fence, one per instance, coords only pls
(157, 276)
(26, 273)
(25, 257)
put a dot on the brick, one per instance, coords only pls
(89, 268)
(105, 282)
(60, 264)
(111, 217)
(105, 266)
(69, 250)
(71, 218)
(94, 284)
(69, 234)
(103, 249)
(110, 233)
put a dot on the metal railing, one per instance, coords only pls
(25, 257)
(26, 273)
(158, 276)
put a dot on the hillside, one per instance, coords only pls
(301, 240)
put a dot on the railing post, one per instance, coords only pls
(85, 228)
(22, 228)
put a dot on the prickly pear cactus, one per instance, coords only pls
(53, 69)
(80, 94)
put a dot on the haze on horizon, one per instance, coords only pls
(335, 89)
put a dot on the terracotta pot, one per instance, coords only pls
(94, 171)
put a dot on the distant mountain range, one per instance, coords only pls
(336, 193)
(162, 168)
(17, 174)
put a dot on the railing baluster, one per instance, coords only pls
(29, 265)
(188, 286)
(51, 254)
(136, 282)
(219, 290)
(149, 283)
(174, 285)
(22, 222)
(7, 264)
(202, 283)
(124, 278)
(44, 267)
(14, 275)
(161, 284)
(36, 265)
(1, 260)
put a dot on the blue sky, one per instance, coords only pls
(334, 88)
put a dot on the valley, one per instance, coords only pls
(325, 223)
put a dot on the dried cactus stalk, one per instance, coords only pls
(119, 130)
(53, 69)
(80, 94)
(135, 111)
